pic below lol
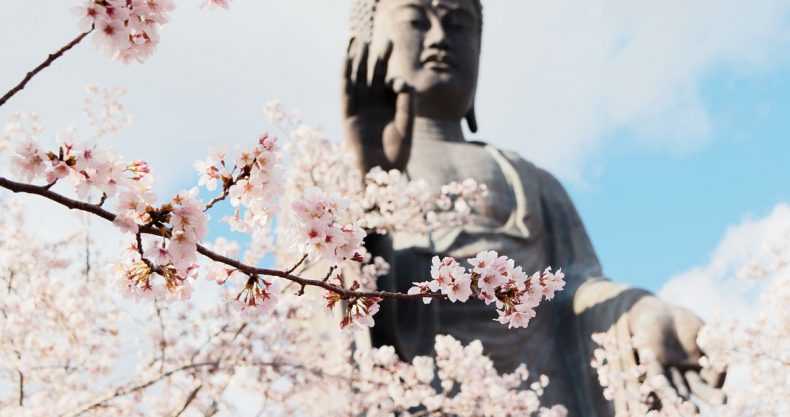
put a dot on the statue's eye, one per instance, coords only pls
(457, 21)
(415, 18)
(421, 24)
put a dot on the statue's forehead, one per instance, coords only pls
(466, 5)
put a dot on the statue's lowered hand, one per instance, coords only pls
(378, 112)
(670, 333)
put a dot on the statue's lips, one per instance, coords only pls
(438, 62)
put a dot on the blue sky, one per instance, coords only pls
(667, 122)
(654, 214)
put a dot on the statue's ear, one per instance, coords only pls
(471, 120)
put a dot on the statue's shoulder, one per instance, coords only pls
(513, 157)
(537, 179)
(527, 169)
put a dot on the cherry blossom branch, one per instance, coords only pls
(43, 191)
(123, 391)
(50, 59)
(342, 292)
(120, 392)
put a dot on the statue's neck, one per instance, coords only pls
(432, 129)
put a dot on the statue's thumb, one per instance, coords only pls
(404, 106)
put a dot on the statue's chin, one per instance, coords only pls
(444, 88)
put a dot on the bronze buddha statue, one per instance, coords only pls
(410, 79)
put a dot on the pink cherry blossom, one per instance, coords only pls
(126, 223)
(519, 315)
(215, 4)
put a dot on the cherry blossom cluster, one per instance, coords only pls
(256, 298)
(394, 203)
(460, 380)
(357, 312)
(58, 333)
(753, 351)
(648, 394)
(22, 125)
(216, 4)
(173, 257)
(88, 167)
(756, 348)
(278, 115)
(253, 181)
(378, 200)
(104, 110)
(321, 231)
(125, 30)
(325, 228)
(64, 329)
(493, 279)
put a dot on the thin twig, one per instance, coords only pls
(50, 59)
(21, 387)
(139, 238)
(18, 187)
(293, 268)
(218, 198)
(120, 392)
(328, 274)
(162, 341)
(226, 184)
(102, 200)
(190, 398)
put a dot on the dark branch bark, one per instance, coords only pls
(50, 59)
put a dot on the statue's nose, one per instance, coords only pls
(436, 36)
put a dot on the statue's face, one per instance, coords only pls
(436, 50)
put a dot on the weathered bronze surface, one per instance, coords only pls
(409, 82)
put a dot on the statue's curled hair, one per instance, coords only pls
(363, 12)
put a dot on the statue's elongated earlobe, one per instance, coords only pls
(471, 120)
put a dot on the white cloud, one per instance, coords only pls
(558, 77)
(583, 71)
(716, 287)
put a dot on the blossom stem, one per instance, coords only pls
(50, 59)
(293, 268)
(45, 192)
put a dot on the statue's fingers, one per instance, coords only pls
(378, 80)
(703, 391)
(711, 375)
(361, 74)
(397, 136)
(347, 92)
(404, 107)
(678, 382)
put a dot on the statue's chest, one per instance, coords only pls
(440, 163)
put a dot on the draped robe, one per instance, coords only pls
(540, 227)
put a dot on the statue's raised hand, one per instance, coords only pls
(378, 111)
(670, 332)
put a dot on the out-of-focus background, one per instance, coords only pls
(668, 122)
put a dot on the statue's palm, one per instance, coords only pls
(378, 115)
(670, 332)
